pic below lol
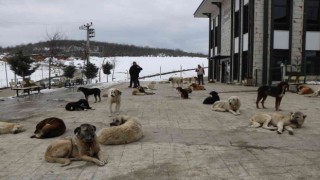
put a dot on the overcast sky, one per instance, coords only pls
(154, 23)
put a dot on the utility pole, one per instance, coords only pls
(90, 34)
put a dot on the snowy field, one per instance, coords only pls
(150, 65)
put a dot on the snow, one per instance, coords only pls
(150, 65)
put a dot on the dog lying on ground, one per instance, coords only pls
(315, 94)
(214, 97)
(114, 97)
(197, 87)
(82, 146)
(48, 128)
(304, 89)
(124, 130)
(87, 91)
(80, 105)
(274, 91)
(278, 121)
(183, 92)
(6, 128)
(140, 91)
(176, 80)
(232, 105)
(151, 85)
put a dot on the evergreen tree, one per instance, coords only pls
(69, 71)
(22, 65)
(107, 68)
(91, 71)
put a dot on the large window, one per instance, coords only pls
(235, 66)
(245, 19)
(281, 14)
(313, 15)
(313, 62)
(236, 24)
(279, 56)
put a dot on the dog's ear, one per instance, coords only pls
(77, 130)
(120, 92)
(304, 116)
(94, 128)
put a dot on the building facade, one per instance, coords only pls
(262, 40)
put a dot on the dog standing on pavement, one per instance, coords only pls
(82, 146)
(87, 91)
(274, 91)
(176, 80)
(114, 97)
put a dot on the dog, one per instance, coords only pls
(114, 97)
(82, 146)
(151, 85)
(304, 89)
(124, 130)
(278, 121)
(14, 128)
(197, 87)
(183, 92)
(176, 80)
(80, 105)
(48, 128)
(214, 97)
(274, 91)
(315, 94)
(140, 91)
(232, 105)
(87, 91)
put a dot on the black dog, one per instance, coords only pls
(274, 91)
(214, 97)
(80, 105)
(87, 91)
(184, 93)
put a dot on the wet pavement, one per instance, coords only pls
(183, 139)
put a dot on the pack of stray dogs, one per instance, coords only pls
(85, 143)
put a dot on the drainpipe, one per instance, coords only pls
(265, 41)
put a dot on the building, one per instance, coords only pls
(262, 40)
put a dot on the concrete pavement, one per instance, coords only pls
(183, 139)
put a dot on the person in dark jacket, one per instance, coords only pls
(134, 74)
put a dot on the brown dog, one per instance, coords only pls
(274, 91)
(304, 89)
(50, 127)
(196, 87)
(83, 146)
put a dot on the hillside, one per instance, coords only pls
(76, 48)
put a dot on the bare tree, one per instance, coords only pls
(55, 42)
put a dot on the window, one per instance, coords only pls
(235, 66)
(281, 14)
(236, 24)
(313, 62)
(246, 19)
(279, 56)
(216, 36)
(313, 15)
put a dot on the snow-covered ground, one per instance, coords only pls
(150, 65)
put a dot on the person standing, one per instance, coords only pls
(134, 75)
(200, 73)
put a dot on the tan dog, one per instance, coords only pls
(232, 105)
(125, 129)
(83, 146)
(151, 85)
(114, 97)
(176, 80)
(6, 128)
(304, 89)
(197, 87)
(286, 121)
(140, 91)
(50, 127)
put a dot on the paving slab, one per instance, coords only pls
(183, 139)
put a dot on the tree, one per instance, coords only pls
(22, 65)
(54, 43)
(107, 68)
(69, 71)
(91, 70)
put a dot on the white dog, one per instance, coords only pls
(232, 105)
(13, 128)
(125, 129)
(176, 80)
(114, 96)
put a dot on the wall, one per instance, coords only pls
(226, 27)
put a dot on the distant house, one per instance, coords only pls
(262, 40)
